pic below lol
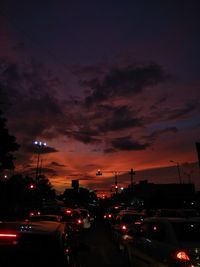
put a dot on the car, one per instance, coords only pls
(111, 213)
(180, 212)
(164, 242)
(84, 213)
(73, 218)
(124, 221)
(188, 213)
(45, 217)
(38, 243)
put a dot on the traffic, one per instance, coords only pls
(115, 235)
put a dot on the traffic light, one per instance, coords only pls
(99, 172)
(31, 186)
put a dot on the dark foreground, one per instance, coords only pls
(98, 248)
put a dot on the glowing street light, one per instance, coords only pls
(178, 169)
(39, 145)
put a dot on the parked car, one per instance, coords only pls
(28, 243)
(164, 242)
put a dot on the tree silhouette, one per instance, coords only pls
(7, 146)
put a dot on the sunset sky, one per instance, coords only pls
(107, 84)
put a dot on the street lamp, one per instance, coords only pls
(178, 169)
(39, 145)
(131, 174)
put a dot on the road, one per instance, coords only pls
(99, 248)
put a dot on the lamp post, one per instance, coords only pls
(39, 145)
(131, 174)
(178, 169)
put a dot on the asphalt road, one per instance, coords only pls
(99, 249)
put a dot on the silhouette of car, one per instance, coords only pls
(124, 221)
(45, 217)
(84, 213)
(34, 243)
(164, 242)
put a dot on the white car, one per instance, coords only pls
(164, 242)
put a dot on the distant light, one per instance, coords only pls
(40, 143)
(32, 186)
(122, 188)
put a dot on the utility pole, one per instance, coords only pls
(131, 175)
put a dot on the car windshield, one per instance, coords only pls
(187, 231)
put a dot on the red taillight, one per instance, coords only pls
(79, 221)
(68, 211)
(8, 239)
(8, 235)
(182, 256)
(109, 216)
(123, 228)
(137, 223)
(34, 213)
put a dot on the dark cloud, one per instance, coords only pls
(156, 134)
(56, 164)
(126, 81)
(32, 148)
(109, 150)
(182, 112)
(157, 104)
(85, 137)
(126, 143)
(32, 103)
(118, 118)
(84, 70)
(49, 171)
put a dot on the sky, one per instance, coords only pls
(109, 85)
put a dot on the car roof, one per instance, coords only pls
(171, 219)
(122, 212)
(40, 227)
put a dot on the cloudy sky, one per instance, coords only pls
(109, 85)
